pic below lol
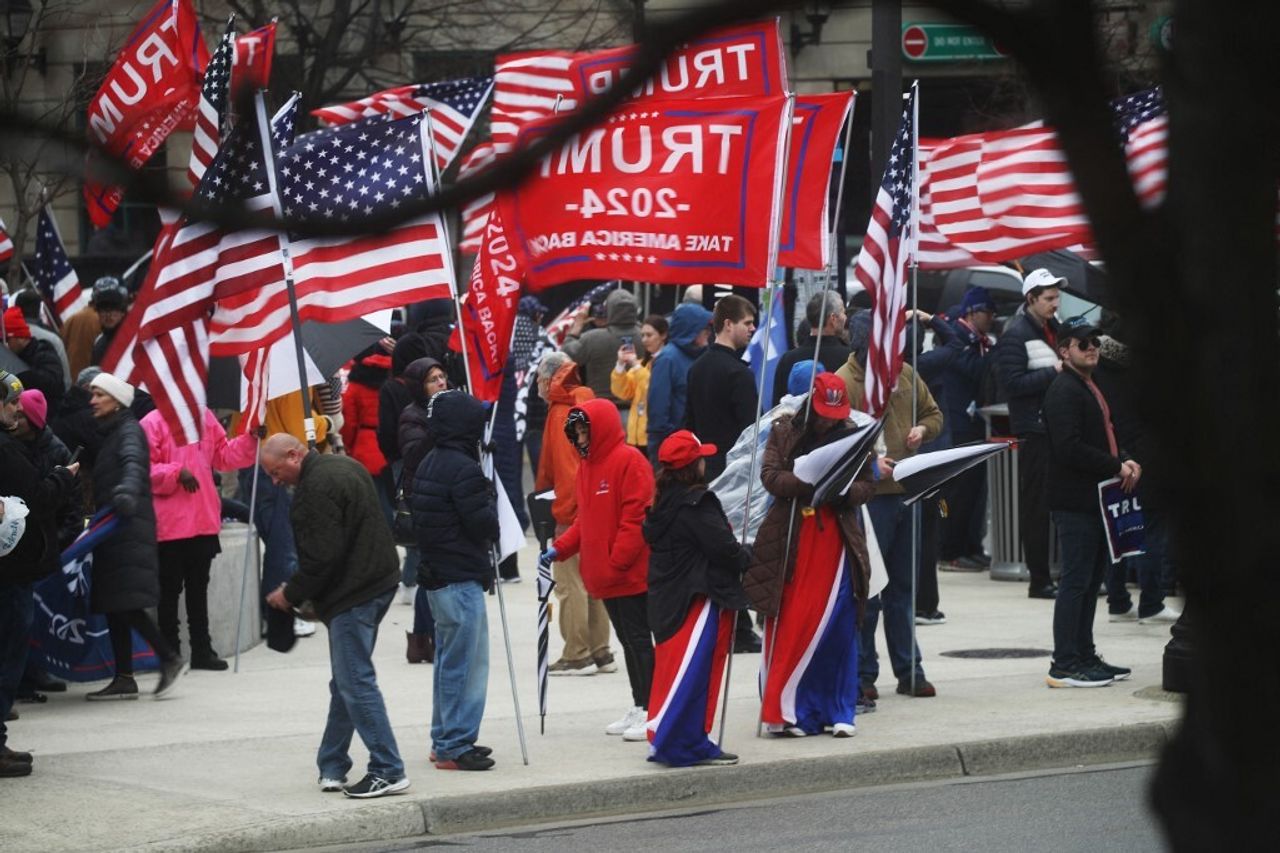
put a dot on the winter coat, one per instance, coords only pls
(1079, 455)
(284, 414)
(596, 351)
(413, 439)
(897, 417)
(346, 555)
(74, 423)
(360, 403)
(771, 562)
(1025, 359)
(44, 372)
(126, 575)
(49, 453)
(692, 552)
(455, 515)
(960, 382)
(181, 514)
(722, 401)
(36, 554)
(394, 395)
(669, 371)
(615, 487)
(832, 353)
(632, 388)
(59, 348)
(558, 463)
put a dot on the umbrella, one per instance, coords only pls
(1083, 278)
(544, 527)
(327, 346)
(925, 473)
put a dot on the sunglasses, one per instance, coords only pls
(1088, 343)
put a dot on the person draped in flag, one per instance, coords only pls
(809, 577)
(695, 585)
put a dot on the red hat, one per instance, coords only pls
(830, 397)
(682, 448)
(15, 325)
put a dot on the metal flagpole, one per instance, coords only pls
(134, 266)
(250, 543)
(913, 247)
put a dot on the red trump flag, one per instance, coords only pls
(152, 87)
(805, 239)
(489, 311)
(670, 191)
(251, 64)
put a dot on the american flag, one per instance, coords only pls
(6, 244)
(212, 106)
(55, 279)
(453, 106)
(475, 213)
(558, 328)
(528, 86)
(347, 174)
(882, 264)
(251, 66)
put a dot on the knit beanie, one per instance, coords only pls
(115, 387)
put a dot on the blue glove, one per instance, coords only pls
(548, 556)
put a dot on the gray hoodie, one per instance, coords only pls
(596, 351)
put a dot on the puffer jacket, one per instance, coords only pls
(126, 574)
(692, 552)
(413, 439)
(49, 453)
(1025, 358)
(454, 511)
(36, 553)
(632, 388)
(771, 562)
(360, 412)
(396, 393)
(897, 417)
(558, 463)
(44, 372)
(597, 350)
(615, 487)
(346, 555)
(669, 378)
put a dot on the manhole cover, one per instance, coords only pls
(996, 654)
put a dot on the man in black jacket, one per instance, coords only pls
(1026, 363)
(456, 519)
(347, 573)
(722, 392)
(1083, 453)
(833, 349)
(44, 369)
(33, 556)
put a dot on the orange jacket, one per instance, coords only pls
(558, 463)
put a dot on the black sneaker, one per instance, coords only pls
(936, 617)
(375, 786)
(208, 660)
(722, 760)
(121, 687)
(864, 705)
(1048, 591)
(470, 760)
(170, 671)
(11, 769)
(484, 752)
(1084, 676)
(747, 644)
(1119, 673)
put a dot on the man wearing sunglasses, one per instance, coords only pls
(1083, 452)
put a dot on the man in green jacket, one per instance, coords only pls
(891, 518)
(347, 574)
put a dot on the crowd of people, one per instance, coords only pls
(627, 424)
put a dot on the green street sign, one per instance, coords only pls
(947, 43)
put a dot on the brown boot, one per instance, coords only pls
(421, 648)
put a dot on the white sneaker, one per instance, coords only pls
(1130, 615)
(331, 786)
(635, 717)
(843, 730)
(408, 594)
(1165, 617)
(303, 628)
(640, 731)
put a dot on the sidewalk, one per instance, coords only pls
(228, 762)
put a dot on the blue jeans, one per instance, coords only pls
(461, 673)
(355, 702)
(1082, 543)
(17, 608)
(891, 519)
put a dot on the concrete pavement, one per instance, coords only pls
(228, 762)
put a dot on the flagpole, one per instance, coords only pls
(250, 544)
(134, 266)
(913, 244)
(426, 126)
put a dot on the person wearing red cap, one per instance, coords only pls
(43, 367)
(695, 585)
(809, 577)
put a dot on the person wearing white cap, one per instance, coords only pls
(1026, 361)
(126, 575)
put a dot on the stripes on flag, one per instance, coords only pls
(6, 244)
(213, 104)
(475, 213)
(526, 87)
(54, 276)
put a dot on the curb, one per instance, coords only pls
(682, 788)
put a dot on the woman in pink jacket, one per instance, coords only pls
(188, 518)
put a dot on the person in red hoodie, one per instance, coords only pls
(615, 488)
(360, 422)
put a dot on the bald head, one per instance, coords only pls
(281, 458)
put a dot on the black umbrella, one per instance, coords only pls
(924, 474)
(1083, 278)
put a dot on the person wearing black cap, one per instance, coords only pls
(1083, 452)
(111, 302)
(695, 585)
(1026, 361)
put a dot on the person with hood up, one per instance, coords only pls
(424, 377)
(596, 351)
(615, 487)
(584, 623)
(695, 585)
(456, 519)
(811, 585)
(395, 395)
(669, 375)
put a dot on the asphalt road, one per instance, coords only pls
(1066, 810)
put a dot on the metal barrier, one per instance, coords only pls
(1002, 501)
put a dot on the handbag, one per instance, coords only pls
(402, 520)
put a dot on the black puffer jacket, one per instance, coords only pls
(49, 453)
(412, 436)
(36, 554)
(73, 422)
(1024, 360)
(454, 513)
(403, 388)
(346, 555)
(692, 551)
(44, 372)
(126, 575)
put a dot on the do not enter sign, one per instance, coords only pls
(915, 42)
(947, 43)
